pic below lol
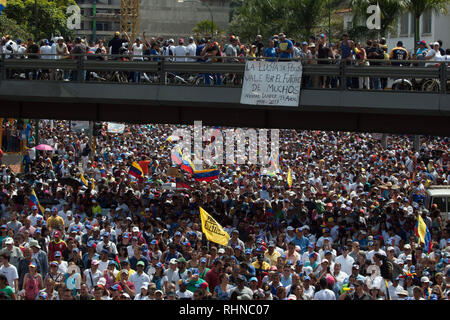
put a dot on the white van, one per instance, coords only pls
(439, 195)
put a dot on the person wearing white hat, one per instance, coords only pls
(14, 251)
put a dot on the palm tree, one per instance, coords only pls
(418, 7)
(390, 11)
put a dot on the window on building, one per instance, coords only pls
(404, 24)
(426, 22)
(103, 26)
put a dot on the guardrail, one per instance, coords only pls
(162, 66)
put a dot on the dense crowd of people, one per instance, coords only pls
(316, 50)
(77, 225)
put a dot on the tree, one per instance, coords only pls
(10, 27)
(418, 7)
(390, 11)
(296, 18)
(51, 16)
(204, 29)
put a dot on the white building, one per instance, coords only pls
(433, 27)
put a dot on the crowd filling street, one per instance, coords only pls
(77, 225)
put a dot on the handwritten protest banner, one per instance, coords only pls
(115, 127)
(272, 83)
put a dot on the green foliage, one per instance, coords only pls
(203, 29)
(51, 16)
(10, 27)
(390, 11)
(296, 18)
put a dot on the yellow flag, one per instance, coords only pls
(213, 231)
(289, 178)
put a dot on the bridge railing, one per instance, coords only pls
(418, 75)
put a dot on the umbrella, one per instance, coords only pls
(70, 181)
(44, 147)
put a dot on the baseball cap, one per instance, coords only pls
(57, 254)
(43, 294)
(54, 263)
(203, 260)
(140, 263)
(9, 240)
(424, 279)
(95, 262)
(135, 229)
(116, 287)
(174, 261)
(253, 279)
(422, 42)
(242, 278)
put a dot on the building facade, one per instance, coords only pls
(166, 18)
(433, 27)
(106, 16)
(173, 19)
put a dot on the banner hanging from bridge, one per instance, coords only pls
(272, 83)
(116, 127)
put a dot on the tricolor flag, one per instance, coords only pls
(177, 156)
(2, 5)
(136, 171)
(206, 175)
(289, 178)
(424, 235)
(34, 201)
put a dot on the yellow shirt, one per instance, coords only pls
(273, 258)
(55, 223)
(119, 275)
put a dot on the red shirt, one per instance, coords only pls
(212, 278)
(55, 246)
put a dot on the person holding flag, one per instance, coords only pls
(35, 202)
(423, 233)
(136, 171)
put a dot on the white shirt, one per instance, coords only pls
(92, 282)
(370, 254)
(33, 219)
(180, 51)
(325, 294)
(185, 295)
(138, 280)
(138, 51)
(46, 49)
(172, 276)
(191, 49)
(10, 274)
(346, 263)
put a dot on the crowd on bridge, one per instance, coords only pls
(315, 50)
(78, 225)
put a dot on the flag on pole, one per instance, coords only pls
(213, 231)
(136, 171)
(34, 201)
(289, 178)
(422, 232)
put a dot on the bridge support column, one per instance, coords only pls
(384, 140)
(416, 144)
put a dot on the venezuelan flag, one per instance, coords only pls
(177, 156)
(206, 175)
(136, 171)
(422, 232)
(2, 5)
(34, 201)
(188, 166)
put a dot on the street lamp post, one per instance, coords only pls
(210, 11)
